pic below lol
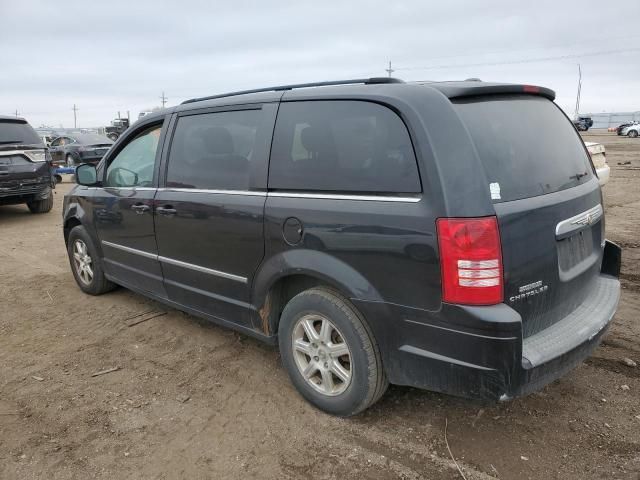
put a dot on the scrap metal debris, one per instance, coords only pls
(108, 370)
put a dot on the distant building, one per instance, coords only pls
(606, 120)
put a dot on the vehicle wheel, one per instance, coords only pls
(57, 178)
(70, 161)
(86, 265)
(113, 136)
(41, 206)
(632, 133)
(330, 353)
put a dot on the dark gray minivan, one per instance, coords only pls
(377, 231)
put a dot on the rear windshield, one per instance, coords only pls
(18, 132)
(527, 146)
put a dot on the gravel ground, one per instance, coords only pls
(192, 400)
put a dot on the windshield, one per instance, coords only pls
(18, 132)
(526, 144)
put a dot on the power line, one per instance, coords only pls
(164, 99)
(528, 60)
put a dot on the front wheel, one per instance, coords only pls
(632, 133)
(113, 136)
(71, 162)
(330, 354)
(86, 265)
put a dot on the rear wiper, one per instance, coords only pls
(578, 175)
(10, 142)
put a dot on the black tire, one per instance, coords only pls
(113, 136)
(98, 284)
(632, 134)
(41, 206)
(71, 162)
(368, 381)
(57, 178)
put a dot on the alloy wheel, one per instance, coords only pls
(321, 354)
(82, 262)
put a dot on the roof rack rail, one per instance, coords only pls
(366, 81)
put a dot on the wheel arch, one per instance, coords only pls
(285, 275)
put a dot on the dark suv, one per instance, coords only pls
(25, 166)
(378, 231)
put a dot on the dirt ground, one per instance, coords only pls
(192, 400)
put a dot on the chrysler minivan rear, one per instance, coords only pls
(544, 253)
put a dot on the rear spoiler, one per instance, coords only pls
(472, 89)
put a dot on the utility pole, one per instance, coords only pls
(164, 100)
(389, 70)
(578, 95)
(17, 113)
(75, 116)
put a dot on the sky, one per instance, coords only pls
(112, 56)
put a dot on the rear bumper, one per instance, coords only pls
(478, 352)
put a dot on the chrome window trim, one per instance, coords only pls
(177, 263)
(135, 251)
(214, 191)
(332, 196)
(579, 222)
(130, 188)
(206, 270)
(321, 196)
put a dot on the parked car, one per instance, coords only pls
(581, 125)
(77, 148)
(631, 130)
(25, 167)
(599, 159)
(494, 280)
(588, 121)
(622, 126)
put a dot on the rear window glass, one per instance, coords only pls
(17, 132)
(350, 146)
(527, 146)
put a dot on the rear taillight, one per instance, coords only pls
(470, 260)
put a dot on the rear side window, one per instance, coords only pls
(350, 146)
(527, 146)
(18, 132)
(215, 150)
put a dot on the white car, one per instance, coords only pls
(599, 159)
(631, 131)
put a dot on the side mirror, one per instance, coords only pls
(86, 175)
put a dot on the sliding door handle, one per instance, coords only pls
(166, 210)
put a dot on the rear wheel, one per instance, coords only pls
(41, 206)
(86, 265)
(113, 136)
(330, 353)
(632, 133)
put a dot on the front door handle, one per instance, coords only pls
(166, 210)
(140, 208)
